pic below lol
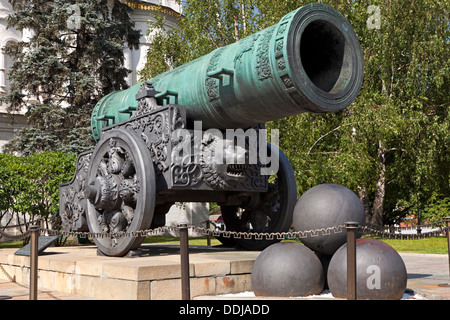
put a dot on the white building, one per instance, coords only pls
(143, 11)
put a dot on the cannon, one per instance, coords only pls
(196, 133)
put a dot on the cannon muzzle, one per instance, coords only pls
(311, 61)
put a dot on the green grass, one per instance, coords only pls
(435, 245)
(429, 245)
(154, 239)
(11, 244)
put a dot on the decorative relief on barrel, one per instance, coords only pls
(212, 85)
(288, 16)
(248, 45)
(262, 56)
(282, 29)
(279, 45)
(287, 82)
(282, 68)
(281, 64)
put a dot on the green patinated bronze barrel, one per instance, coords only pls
(311, 61)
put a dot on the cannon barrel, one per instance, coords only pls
(311, 61)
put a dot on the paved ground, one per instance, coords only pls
(14, 291)
(425, 273)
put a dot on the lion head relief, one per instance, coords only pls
(223, 163)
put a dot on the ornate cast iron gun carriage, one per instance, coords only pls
(196, 133)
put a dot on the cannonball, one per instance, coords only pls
(324, 206)
(287, 269)
(380, 272)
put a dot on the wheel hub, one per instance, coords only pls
(103, 192)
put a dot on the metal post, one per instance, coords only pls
(208, 236)
(447, 219)
(184, 253)
(35, 230)
(351, 259)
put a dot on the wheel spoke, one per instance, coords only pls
(121, 194)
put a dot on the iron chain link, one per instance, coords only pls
(390, 233)
(267, 235)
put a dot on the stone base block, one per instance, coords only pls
(156, 275)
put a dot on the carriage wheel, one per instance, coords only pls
(121, 191)
(274, 210)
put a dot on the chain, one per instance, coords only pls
(101, 235)
(402, 236)
(266, 235)
(11, 237)
(15, 237)
(370, 230)
(15, 226)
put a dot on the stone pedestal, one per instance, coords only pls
(154, 276)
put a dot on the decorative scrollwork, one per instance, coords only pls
(72, 199)
(212, 86)
(189, 174)
(147, 102)
(247, 46)
(156, 130)
(262, 62)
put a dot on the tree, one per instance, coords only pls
(73, 57)
(29, 186)
(205, 26)
(10, 186)
(391, 146)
